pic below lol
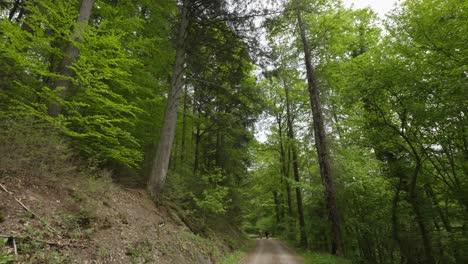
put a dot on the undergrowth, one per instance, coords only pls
(238, 255)
(320, 258)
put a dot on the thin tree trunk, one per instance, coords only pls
(62, 85)
(295, 164)
(277, 212)
(163, 152)
(321, 144)
(415, 201)
(197, 149)
(184, 127)
(395, 218)
(284, 166)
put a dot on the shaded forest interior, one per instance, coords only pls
(328, 126)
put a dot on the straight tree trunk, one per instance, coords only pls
(277, 211)
(295, 163)
(415, 200)
(163, 153)
(321, 144)
(62, 85)
(184, 125)
(284, 166)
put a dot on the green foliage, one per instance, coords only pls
(213, 199)
(317, 258)
(238, 255)
(141, 252)
(5, 256)
(112, 96)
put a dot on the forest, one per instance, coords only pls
(338, 131)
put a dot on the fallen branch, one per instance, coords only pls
(14, 247)
(5, 189)
(53, 230)
(48, 242)
(26, 208)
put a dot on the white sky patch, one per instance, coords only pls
(381, 7)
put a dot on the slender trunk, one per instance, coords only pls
(277, 213)
(395, 219)
(197, 150)
(415, 201)
(288, 186)
(284, 166)
(62, 85)
(163, 152)
(443, 218)
(321, 144)
(295, 163)
(184, 126)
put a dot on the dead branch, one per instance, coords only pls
(5, 189)
(53, 230)
(48, 242)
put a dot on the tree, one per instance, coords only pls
(62, 85)
(161, 161)
(321, 144)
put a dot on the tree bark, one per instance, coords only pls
(163, 152)
(284, 166)
(184, 125)
(415, 200)
(295, 163)
(277, 211)
(62, 85)
(321, 144)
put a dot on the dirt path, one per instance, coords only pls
(271, 251)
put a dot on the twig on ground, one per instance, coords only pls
(53, 230)
(5, 189)
(26, 208)
(14, 247)
(52, 243)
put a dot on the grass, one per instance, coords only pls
(311, 257)
(321, 258)
(236, 256)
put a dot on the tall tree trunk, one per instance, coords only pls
(163, 152)
(396, 220)
(184, 127)
(321, 144)
(62, 85)
(284, 166)
(197, 150)
(415, 201)
(277, 211)
(295, 163)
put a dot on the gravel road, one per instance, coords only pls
(271, 251)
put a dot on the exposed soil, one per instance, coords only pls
(272, 251)
(81, 220)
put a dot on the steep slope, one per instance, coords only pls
(89, 220)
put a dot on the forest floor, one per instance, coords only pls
(88, 220)
(272, 251)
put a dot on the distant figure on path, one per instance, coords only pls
(266, 234)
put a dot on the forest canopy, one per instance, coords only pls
(365, 151)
